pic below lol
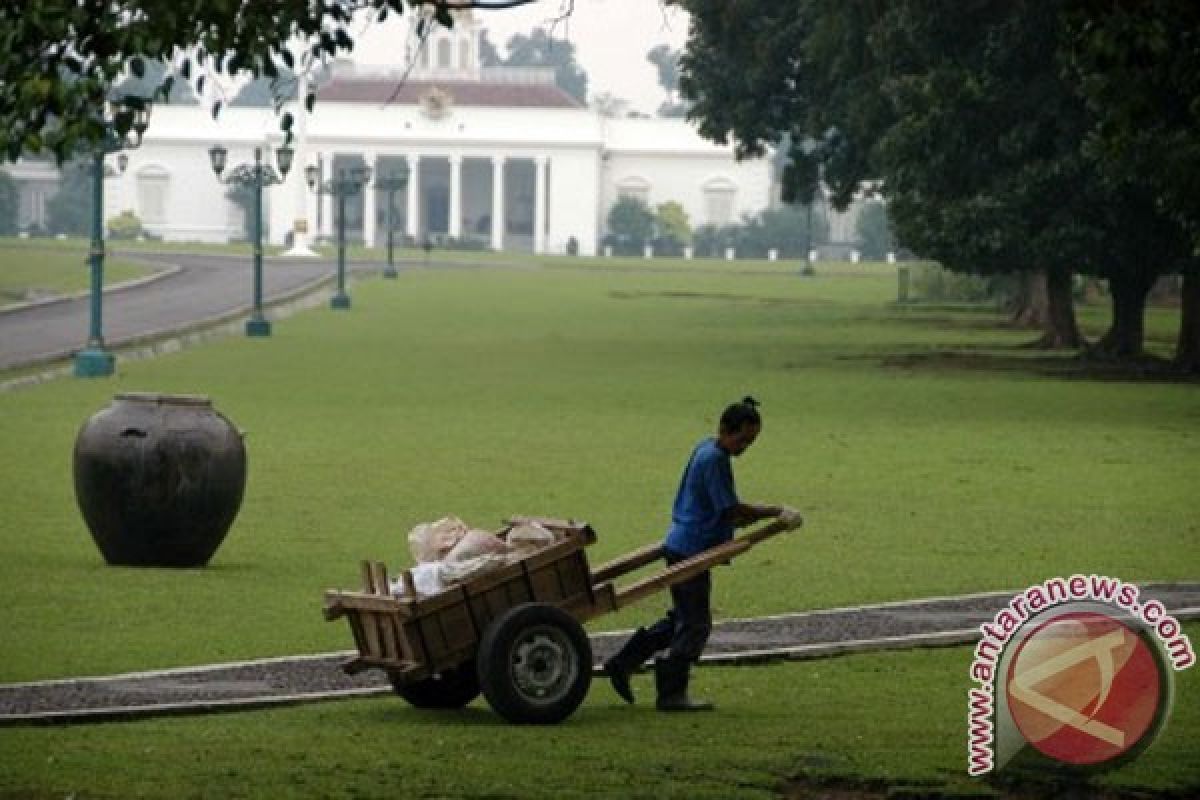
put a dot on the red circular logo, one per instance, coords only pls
(1084, 688)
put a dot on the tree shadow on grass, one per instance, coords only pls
(1022, 360)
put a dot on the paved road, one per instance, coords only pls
(202, 288)
(280, 681)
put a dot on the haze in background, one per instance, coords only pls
(611, 39)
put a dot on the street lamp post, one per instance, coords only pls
(123, 124)
(347, 183)
(392, 183)
(254, 177)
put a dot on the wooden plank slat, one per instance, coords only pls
(347, 602)
(628, 563)
(379, 578)
(372, 646)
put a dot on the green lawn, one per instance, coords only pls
(30, 272)
(579, 392)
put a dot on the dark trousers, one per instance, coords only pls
(683, 631)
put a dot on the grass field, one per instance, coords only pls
(28, 272)
(578, 391)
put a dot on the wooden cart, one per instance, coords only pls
(514, 633)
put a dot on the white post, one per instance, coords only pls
(304, 201)
(891, 258)
(772, 254)
(687, 252)
(414, 191)
(455, 226)
(648, 251)
(539, 205)
(608, 251)
(855, 256)
(326, 199)
(369, 197)
(729, 254)
(497, 202)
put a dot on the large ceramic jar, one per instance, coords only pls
(159, 479)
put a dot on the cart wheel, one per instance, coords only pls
(452, 688)
(535, 664)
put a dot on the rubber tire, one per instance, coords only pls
(452, 688)
(552, 632)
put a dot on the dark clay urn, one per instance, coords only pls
(159, 479)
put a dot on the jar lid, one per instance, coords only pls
(165, 399)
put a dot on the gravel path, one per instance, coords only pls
(267, 682)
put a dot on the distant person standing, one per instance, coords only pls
(705, 514)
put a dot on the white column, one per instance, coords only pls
(539, 205)
(303, 207)
(455, 227)
(497, 202)
(327, 223)
(414, 191)
(369, 195)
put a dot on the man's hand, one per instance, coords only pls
(791, 518)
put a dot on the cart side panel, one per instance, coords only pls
(448, 634)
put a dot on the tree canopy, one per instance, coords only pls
(963, 116)
(59, 61)
(540, 49)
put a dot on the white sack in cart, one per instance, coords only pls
(433, 540)
(529, 536)
(427, 579)
(452, 572)
(474, 544)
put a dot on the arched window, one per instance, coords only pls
(152, 184)
(719, 194)
(464, 54)
(634, 186)
(445, 54)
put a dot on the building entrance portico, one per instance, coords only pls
(490, 199)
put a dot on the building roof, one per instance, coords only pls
(462, 93)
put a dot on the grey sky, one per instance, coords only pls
(611, 38)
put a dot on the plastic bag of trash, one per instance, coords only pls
(452, 572)
(427, 580)
(431, 541)
(475, 543)
(529, 536)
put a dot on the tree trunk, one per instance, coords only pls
(1126, 334)
(1059, 328)
(1187, 349)
(1030, 306)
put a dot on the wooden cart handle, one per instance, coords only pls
(691, 567)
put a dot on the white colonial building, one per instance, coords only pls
(499, 155)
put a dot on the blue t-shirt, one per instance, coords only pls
(705, 493)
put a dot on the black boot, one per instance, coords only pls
(632, 655)
(671, 680)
